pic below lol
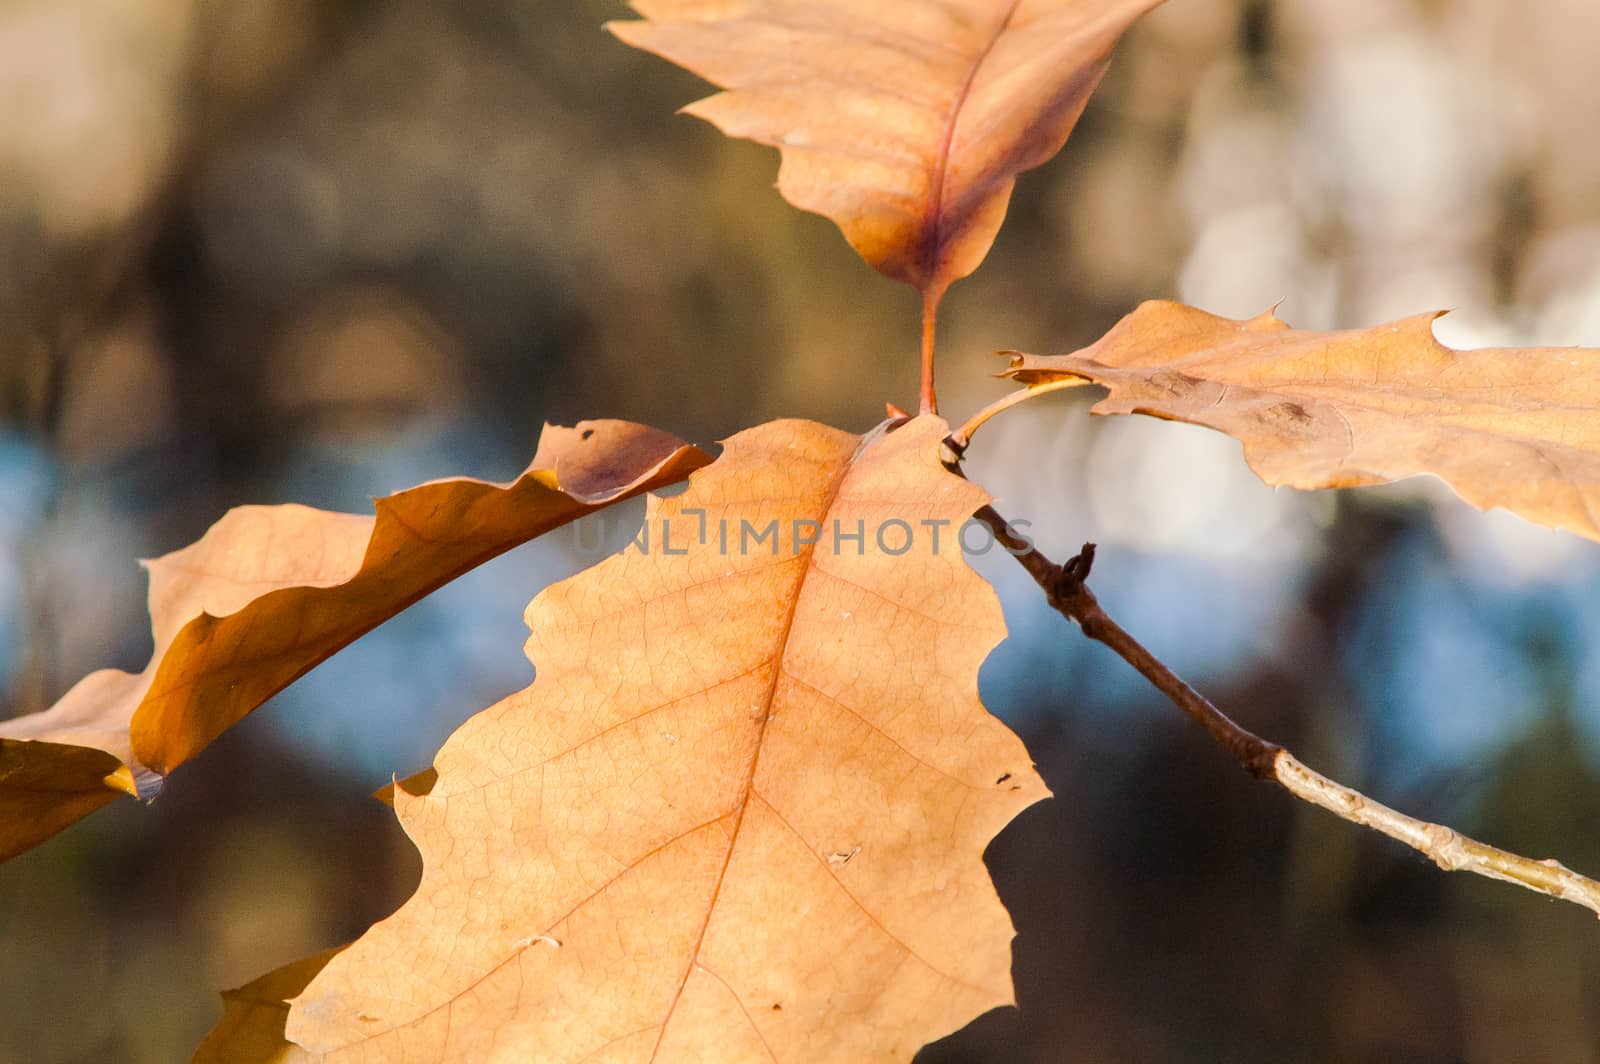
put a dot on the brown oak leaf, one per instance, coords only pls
(270, 591)
(1517, 428)
(904, 121)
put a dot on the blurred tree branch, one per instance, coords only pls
(69, 291)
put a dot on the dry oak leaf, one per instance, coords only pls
(740, 815)
(251, 1028)
(904, 121)
(1517, 428)
(270, 591)
(46, 787)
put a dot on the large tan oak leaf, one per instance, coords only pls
(1517, 428)
(904, 121)
(270, 591)
(740, 814)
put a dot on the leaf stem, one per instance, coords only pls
(961, 438)
(1066, 588)
(930, 317)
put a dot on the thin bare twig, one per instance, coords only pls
(1068, 592)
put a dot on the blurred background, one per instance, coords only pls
(313, 251)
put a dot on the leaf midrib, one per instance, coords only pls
(933, 219)
(780, 650)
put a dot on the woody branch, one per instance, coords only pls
(1066, 588)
